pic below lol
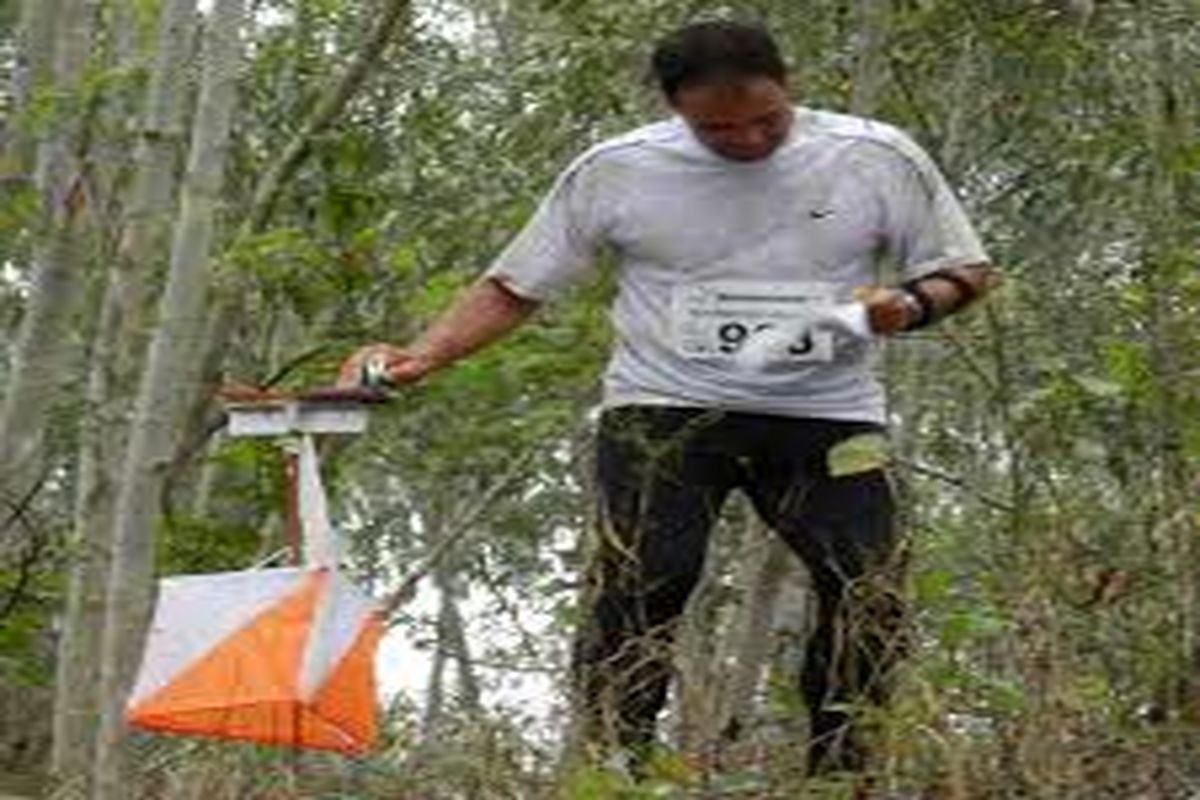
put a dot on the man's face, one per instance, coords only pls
(743, 120)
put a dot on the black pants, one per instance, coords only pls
(663, 475)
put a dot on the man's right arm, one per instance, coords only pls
(555, 248)
(483, 313)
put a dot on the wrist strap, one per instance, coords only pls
(931, 313)
(966, 290)
(924, 302)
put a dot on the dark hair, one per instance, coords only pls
(717, 50)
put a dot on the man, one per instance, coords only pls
(740, 219)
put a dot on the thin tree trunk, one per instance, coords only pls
(205, 364)
(34, 71)
(454, 637)
(228, 307)
(870, 67)
(1169, 114)
(750, 635)
(200, 505)
(962, 119)
(163, 386)
(451, 645)
(435, 689)
(111, 385)
(38, 360)
(700, 673)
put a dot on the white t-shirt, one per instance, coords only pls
(710, 250)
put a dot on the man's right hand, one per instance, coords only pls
(480, 314)
(401, 365)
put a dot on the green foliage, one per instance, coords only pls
(590, 783)
(20, 636)
(30, 586)
(198, 545)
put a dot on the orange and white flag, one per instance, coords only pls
(280, 656)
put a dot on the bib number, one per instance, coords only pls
(714, 320)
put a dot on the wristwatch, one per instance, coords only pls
(914, 309)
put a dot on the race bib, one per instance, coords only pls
(714, 320)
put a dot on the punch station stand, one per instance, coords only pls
(296, 419)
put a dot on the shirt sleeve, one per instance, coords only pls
(927, 229)
(558, 246)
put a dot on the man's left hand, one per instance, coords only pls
(766, 347)
(888, 310)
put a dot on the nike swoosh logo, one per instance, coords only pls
(820, 213)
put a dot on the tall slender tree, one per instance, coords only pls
(33, 73)
(38, 366)
(116, 352)
(163, 386)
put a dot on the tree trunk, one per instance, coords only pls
(394, 16)
(453, 636)
(870, 64)
(38, 362)
(1169, 113)
(181, 319)
(435, 689)
(117, 351)
(451, 645)
(700, 639)
(719, 680)
(750, 635)
(33, 72)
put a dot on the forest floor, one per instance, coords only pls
(20, 787)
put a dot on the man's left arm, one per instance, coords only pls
(926, 300)
(942, 263)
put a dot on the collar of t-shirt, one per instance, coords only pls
(691, 146)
